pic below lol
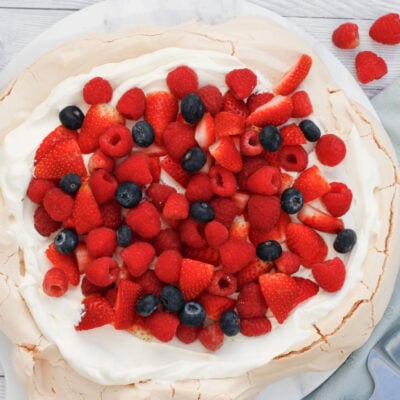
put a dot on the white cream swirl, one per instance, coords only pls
(112, 357)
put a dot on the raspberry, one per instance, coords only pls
(187, 334)
(178, 139)
(99, 160)
(135, 168)
(138, 257)
(144, 220)
(249, 143)
(330, 149)
(225, 210)
(167, 239)
(211, 337)
(191, 233)
(58, 204)
(370, 66)
(302, 106)
(102, 271)
(251, 302)
(236, 254)
(252, 271)
(338, 200)
(250, 165)
(263, 212)
(168, 266)
(176, 207)
(330, 274)
(37, 189)
(199, 188)
(293, 158)
(163, 325)
(288, 262)
(258, 99)
(182, 80)
(158, 193)
(223, 182)
(101, 242)
(223, 284)
(55, 282)
(255, 326)
(103, 185)
(132, 103)
(346, 36)
(216, 233)
(89, 288)
(116, 141)
(150, 283)
(211, 98)
(386, 29)
(266, 180)
(97, 90)
(228, 124)
(111, 213)
(241, 82)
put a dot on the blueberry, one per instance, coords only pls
(143, 134)
(291, 200)
(270, 138)
(172, 298)
(124, 235)
(269, 250)
(345, 241)
(71, 117)
(229, 322)
(66, 241)
(194, 159)
(146, 304)
(192, 108)
(310, 130)
(202, 211)
(192, 314)
(128, 194)
(70, 183)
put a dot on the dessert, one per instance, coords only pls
(61, 348)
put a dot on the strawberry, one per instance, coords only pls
(216, 233)
(176, 207)
(288, 262)
(116, 141)
(280, 292)
(307, 289)
(319, 220)
(55, 282)
(263, 211)
(101, 242)
(292, 79)
(162, 325)
(97, 90)
(275, 112)
(223, 284)
(145, 220)
(111, 214)
(89, 288)
(228, 124)
(86, 214)
(149, 282)
(102, 271)
(223, 182)
(226, 154)
(38, 188)
(97, 312)
(195, 276)
(158, 194)
(250, 143)
(103, 185)
(302, 106)
(135, 168)
(204, 133)
(187, 334)
(161, 109)
(240, 199)
(306, 243)
(234, 105)
(199, 188)
(175, 170)
(43, 222)
(250, 166)
(215, 305)
(330, 274)
(132, 103)
(63, 158)
(266, 180)
(338, 200)
(370, 66)
(236, 254)
(241, 82)
(168, 266)
(293, 158)
(128, 293)
(311, 184)
(66, 262)
(211, 97)
(251, 302)
(167, 239)
(239, 229)
(99, 160)
(206, 254)
(58, 204)
(138, 257)
(258, 99)
(225, 210)
(182, 80)
(346, 36)
(277, 232)
(178, 138)
(255, 326)
(82, 256)
(211, 337)
(287, 181)
(292, 134)
(330, 149)
(98, 118)
(386, 29)
(191, 232)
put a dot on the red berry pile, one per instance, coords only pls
(214, 257)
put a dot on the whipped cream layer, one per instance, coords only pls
(108, 356)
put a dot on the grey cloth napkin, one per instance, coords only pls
(352, 380)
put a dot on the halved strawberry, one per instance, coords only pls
(319, 220)
(97, 312)
(312, 184)
(292, 135)
(307, 289)
(228, 124)
(275, 112)
(127, 295)
(205, 131)
(215, 305)
(178, 138)
(234, 105)
(292, 79)
(226, 154)
(175, 170)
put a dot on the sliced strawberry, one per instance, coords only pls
(319, 220)
(307, 289)
(205, 131)
(234, 105)
(292, 135)
(128, 293)
(229, 124)
(215, 305)
(330, 274)
(292, 79)
(226, 154)
(312, 184)
(252, 271)
(258, 99)
(275, 112)
(97, 312)
(211, 337)
(175, 170)
(239, 229)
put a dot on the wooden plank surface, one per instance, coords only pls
(22, 20)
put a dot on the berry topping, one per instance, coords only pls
(346, 36)
(193, 314)
(269, 250)
(163, 325)
(202, 211)
(312, 184)
(128, 194)
(195, 277)
(194, 159)
(330, 150)
(291, 200)
(116, 141)
(70, 183)
(58, 204)
(338, 200)
(211, 337)
(102, 271)
(97, 312)
(192, 108)
(370, 66)
(345, 241)
(241, 82)
(211, 97)
(229, 323)
(182, 80)
(66, 241)
(43, 223)
(146, 304)
(71, 117)
(172, 298)
(132, 103)
(270, 138)
(310, 130)
(97, 90)
(143, 134)
(386, 29)
(330, 274)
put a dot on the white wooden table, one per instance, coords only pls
(22, 20)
